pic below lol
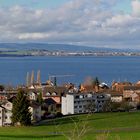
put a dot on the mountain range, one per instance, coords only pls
(54, 47)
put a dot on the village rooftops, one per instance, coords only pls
(54, 91)
(132, 88)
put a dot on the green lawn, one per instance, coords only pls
(100, 126)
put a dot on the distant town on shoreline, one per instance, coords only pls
(64, 53)
(36, 49)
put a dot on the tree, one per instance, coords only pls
(1, 87)
(107, 106)
(39, 98)
(114, 106)
(126, 106)
(90, 107)
(20, 110)
(96, 81)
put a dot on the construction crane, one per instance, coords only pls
(57, 76)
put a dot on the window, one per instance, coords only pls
(81, 96)
(100, 96)
(0, 118)
(80, 106)
(89, 95)
(8, 105)
(77, 97)
(5, 117)
(48, 94)
(54, 94)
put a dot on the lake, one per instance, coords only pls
(13, 70)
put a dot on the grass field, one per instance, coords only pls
(100, 126)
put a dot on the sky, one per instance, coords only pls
(98, 23)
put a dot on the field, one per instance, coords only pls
(100, 126)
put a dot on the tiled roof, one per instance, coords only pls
(132, 88)
(58, 90)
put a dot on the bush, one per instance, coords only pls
(59, 114)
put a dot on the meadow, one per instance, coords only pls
(99, 126)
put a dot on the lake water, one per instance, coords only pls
(13, 70)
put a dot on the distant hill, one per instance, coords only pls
(54, 47)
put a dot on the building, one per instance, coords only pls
(35, 109)
(54, 93)
(119, 86)
(5, 113)
(115, 96)
(132, 93)
(83, 103)
(33, 94)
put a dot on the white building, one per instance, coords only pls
(5, 113)
(79, 103)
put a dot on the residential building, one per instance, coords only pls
(5, 113)
(119, 86)
(35, 109)
(32, 95)
(132, 93)
(54, 93)
(83, 103)
(116, 97)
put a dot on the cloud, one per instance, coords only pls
(136, 7)
(86, 22)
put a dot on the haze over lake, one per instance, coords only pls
(13, 70)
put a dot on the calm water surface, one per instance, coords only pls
(13, 69)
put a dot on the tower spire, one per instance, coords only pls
(28, 79)
(32, 78)
(38, 77)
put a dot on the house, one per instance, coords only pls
(83, 103)
(5, 113)
(35, 109)
(2, 116)
(84, 88)
(116, 97)
(3, 98)
(32, 95)
(54, 92)
(119, 86)
(132, 93)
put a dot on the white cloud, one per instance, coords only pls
(91, 22)
(136, 7)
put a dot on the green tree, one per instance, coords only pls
(90, 107)
(96, 81)
(106, 106)
(126, 106)
(1, 87)
(20, 110)
(39, 98)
